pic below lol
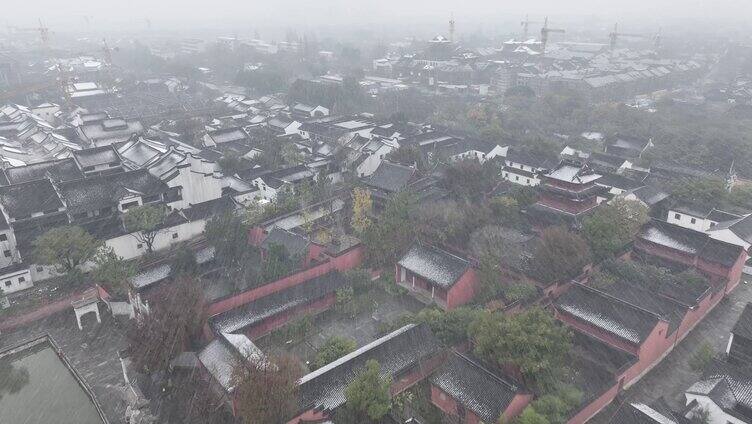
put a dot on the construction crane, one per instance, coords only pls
(657, 39)
(544, 34)
(525, 26)
(451, 28)
(614, 36)
(44, 33)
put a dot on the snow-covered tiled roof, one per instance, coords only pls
(435, 265)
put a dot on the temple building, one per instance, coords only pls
(568, 193)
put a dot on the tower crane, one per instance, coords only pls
(657, 38)
(451, 28)
(44, 33)
(544, 34)
(525, 26)
(614, 36)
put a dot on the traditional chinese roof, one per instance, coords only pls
(396, 353)
(22, 200)
(743, 326)
(294, 244)
(57, 170)
(95, 156)
(639, 413)
(728, 386)
(477, 388)
(390, 177)
(603, 311)
(741, 227)
(650, 195)
(223, 354)
(255, 312)
(435, 265)
(690, 242)
(98, 192)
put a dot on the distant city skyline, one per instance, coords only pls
(174, 14)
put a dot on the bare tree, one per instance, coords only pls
(267, 393)
(176, 318)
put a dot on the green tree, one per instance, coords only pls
(560, 255)
(531, 416)
(557, 405)
(532, 341)
(231, 164)
(66, 248)
(367, 397)
(362, 208)
(393, 232)
(507, 212)
(702, 357)
(469, 179)
(702, 191)
(184, 262)
(228, 233)
(614, 225)
(333, 348)
(407, 155)
(145, 223)
(277, 263)
(113, 270)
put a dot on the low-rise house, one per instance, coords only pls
(109, 131)
(620, 324)
(98, 160)
(281, 125)
(644, 321)
(437, 276)
(467, 391)
(297, 246)
(724, 392)
(469, 149)
(523, 167)
(678, 247)
(222, 356)
(739, 348)
(271, 183)
(651, 197)
(225, 135)
(195, 179)
(627, 146)
(55, 170)
(735, 231)
(597, 372)
(407, 355)
(388, 180)
(616, 184)
(15, 277)
(657, 412)
(305, 111)
(698, 217)
(266, 314)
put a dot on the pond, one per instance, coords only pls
(37, 387)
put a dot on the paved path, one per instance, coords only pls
(673, 375)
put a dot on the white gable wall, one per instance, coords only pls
(688, 221)
(198, 183)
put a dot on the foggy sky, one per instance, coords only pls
(215, 13)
